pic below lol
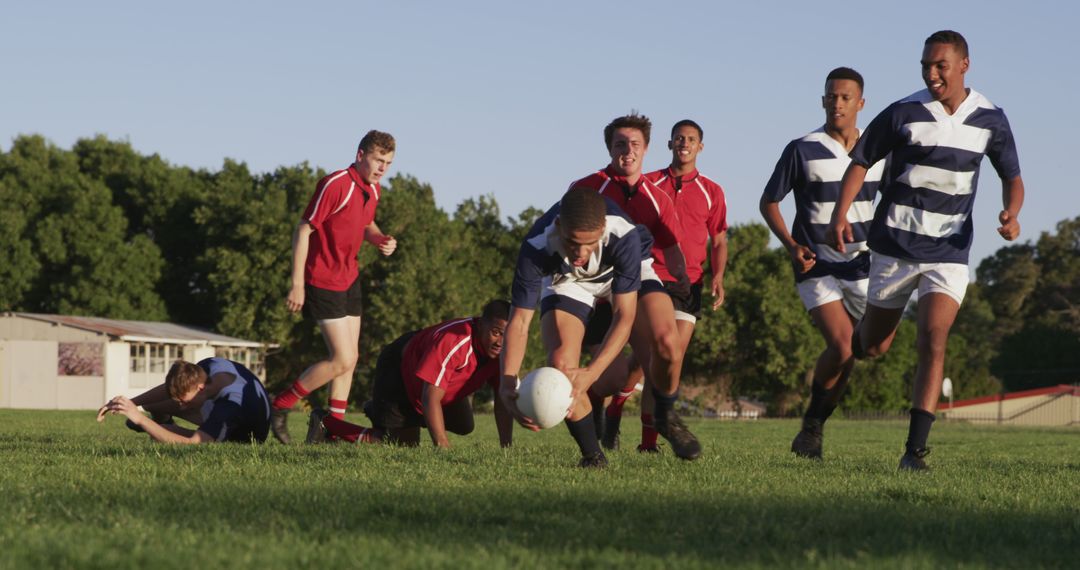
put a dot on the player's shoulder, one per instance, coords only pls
(335, 178)
(711, 185)
(657, 177)
(461, 326)
(594, 180)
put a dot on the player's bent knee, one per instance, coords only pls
(669, 348)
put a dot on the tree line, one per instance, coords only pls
(103, 230)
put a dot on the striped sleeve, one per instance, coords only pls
(450, 349)
(331, 194)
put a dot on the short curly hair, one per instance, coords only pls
(634, 120)
(377, 140)
(949, 37)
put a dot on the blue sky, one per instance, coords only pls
(510, 98)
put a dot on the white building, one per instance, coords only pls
(65, 362)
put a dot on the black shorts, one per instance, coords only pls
(687, 309)
(597, 326)
(324, 304)
(389, 407)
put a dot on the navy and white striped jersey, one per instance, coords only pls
(813, 166)
(618, 259)
(925, 210)
(241, 411)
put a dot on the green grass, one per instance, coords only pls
(79, 494)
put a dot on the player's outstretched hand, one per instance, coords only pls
(123, 406)
(1010, 226)
(802, 258)
(508, 394)
(388, 245)
(838, 233)
(295, 300)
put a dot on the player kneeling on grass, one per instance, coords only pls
(225, 399)
(424, 379)
(583, 249)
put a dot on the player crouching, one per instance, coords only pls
(424, 379)
(223, 398)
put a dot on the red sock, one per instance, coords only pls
(342, 429)
(337, 408)
(288, 398)
(648, 431)
(614, 409)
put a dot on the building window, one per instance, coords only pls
(138, 358)
(80, 359)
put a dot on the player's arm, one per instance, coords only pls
(374, 236)
(1012, 197)
(676, 264)
(433, 414)
(623, 310)
(718, 262)
(156, 431)
(515, 341)
(802, 257)
(839, 231)
(504, 422)
(300, 242)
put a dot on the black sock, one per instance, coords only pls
(856, 345)
(584, 432)
(919, 429)
(664, 403)
(821, 406)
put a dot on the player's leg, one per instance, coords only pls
(831, 371)
(458, 417)
(941, 291)
(655, 331)
(405, 437)
(342, 383)
(648, 422)
(562, 332)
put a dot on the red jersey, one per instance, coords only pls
(447, 355)
(702, 210)
(644, 203)
(343, 205)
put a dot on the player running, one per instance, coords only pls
(223, 398)
(325, 276)
(921, 232)
(655, 336)
(425, 378)
(832, 285)
(583, 249)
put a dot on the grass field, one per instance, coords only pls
(79, 494)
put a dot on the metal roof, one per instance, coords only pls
(143, 331)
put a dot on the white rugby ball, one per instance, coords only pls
(544, 396)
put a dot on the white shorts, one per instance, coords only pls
(821, 290)
(579, 297)
(892, 280)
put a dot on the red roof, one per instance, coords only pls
(1059, 389)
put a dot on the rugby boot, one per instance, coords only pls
(671, 427)
(279, 425)
(610, 439)
(316, 431)
(808, 442)
(913, 460)
(642, 448)
(595, 461)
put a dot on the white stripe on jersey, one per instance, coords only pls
(924, 222)
(652, 199)
(851, 251)
(939, 179)
(704, 192)
(322, 192)
(448, 357)
(821, 212)
(827, 169)
(950, 134)
(352, 186)
(714, 182)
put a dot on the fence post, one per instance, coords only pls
(1001, 401)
